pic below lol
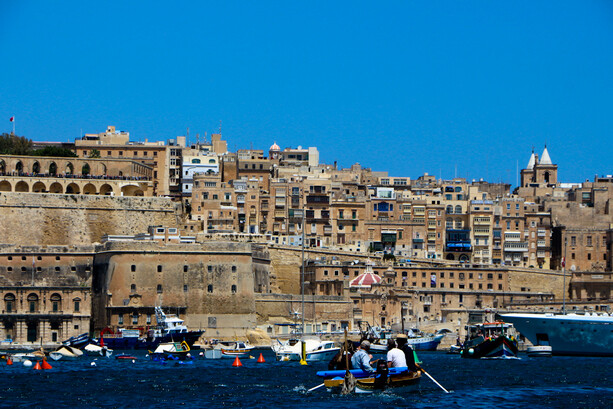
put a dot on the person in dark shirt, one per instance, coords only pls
(402, 341)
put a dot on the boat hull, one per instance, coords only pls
(150, 343)
(428, 343)
(499, 347)
(399, 382)
(570, 334)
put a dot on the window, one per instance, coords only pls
(135, 318)
(159, 268)
(589, 241)
(77, 305)
(209, 288)
(233, 288)
(33, 302)
(209, 268)
(133, 288)
(573, 240)
(159, 288)
(184, 288)
(133, 267)
(120, 319)
(9, 302)
(185, 269)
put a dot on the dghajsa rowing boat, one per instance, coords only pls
(401, 379)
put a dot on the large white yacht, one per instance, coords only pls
(588, 334)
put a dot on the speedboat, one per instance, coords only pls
(315, 349)
(94, 350)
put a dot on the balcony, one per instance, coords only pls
(322, 200)
(327, 230)
(516, 247)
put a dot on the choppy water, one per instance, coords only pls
(523, 383)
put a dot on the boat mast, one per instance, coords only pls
(564, 277)
(302, 270)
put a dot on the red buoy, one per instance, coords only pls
(46, 365)
(261, 359)
(37, 366)
(9, 361)
(237, 362)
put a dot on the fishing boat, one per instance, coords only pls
(588, 334)
(234, 349)
(315, 349)
(489, 340)
(171, 350)
(170, 328)
(400, 379)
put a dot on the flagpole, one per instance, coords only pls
(13, 125)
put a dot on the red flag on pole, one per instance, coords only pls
(12, 119)
(563, 262)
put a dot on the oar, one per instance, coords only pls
(433, 380)
(316, 387)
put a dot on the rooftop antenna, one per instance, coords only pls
(198, 139)
(187, 137)
(205, 142)
(220, 126)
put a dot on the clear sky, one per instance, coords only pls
(408, 87)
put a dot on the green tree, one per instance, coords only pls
(14, 145)
(54, 151)
(94, 154)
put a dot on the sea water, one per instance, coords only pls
(87, 382)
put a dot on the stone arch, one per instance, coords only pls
(73, 188)
(69, 168)
(89, 189)
(106, 189)
(39, 187)
(450, 257)
(22, 186)
(2, 166)
(131, 190)
(36, 167)
(5, 186)
(463, 257)
(547, 176)
(56, 188)
(53, 168)
(56, 302)
(19, 167)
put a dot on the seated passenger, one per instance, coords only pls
(361, 358)
(395, 357)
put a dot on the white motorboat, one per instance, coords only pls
(315, 349)
(539, 350)
(68, 352)
(94, 350)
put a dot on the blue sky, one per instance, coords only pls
(407, 87)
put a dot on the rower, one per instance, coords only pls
(404, 346)
(395, 357)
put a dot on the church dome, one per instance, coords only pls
(366, 279)
(275, 147)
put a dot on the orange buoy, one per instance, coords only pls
(237, 362)
(9, 361)
(37, 366)
(261, 359)
(46, 365)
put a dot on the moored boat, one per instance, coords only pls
(315, 349)
(171, 350)
(587, 334)
(234, 349)
(489, 340)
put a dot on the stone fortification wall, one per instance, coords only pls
(534, 280)
(46, 218)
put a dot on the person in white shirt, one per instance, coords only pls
(395, 357)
